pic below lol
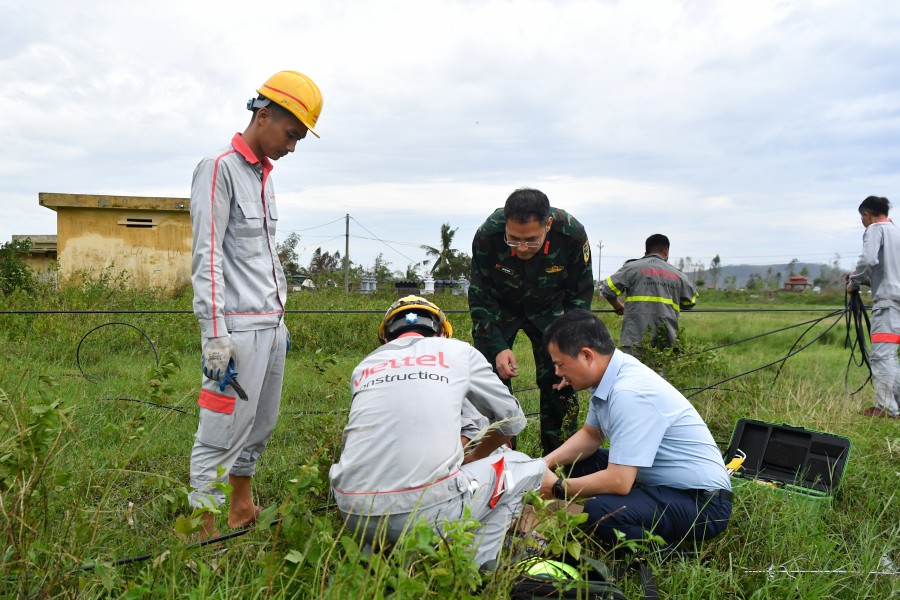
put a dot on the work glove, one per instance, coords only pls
(288, 341)
(218, 358)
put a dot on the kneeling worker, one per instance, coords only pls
(662, 472)
(402, 459)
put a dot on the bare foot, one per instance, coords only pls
(209, 530)
(238, 519)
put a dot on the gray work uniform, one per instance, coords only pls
(656, 294)
(879, 268)
(239, 289)
(402, 457)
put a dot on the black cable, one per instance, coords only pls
(797, 341)
(780, 329)
(133, 559)
(782, 359)
(154, 404)
(365, 311)
(84, 337)
(234, 534)
(856, 316)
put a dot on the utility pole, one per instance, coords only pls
(347, 253)
(599, 255)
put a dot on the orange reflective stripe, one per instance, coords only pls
(886, 338)
(418, 487)
(219, 403)
(500, 485)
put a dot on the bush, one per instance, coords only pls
(14, 273)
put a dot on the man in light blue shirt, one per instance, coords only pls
(662, 472)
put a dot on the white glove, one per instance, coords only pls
(218, 352)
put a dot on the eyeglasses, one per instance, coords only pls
(519, 244)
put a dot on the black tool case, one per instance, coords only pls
(807, 464)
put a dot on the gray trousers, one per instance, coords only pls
(521, 473)
(232, 432)
(885, 368)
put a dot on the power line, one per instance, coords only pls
(413, 244)
(314, 227)
(382, 241)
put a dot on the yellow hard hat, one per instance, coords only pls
(554, 569)
(410, 308)
(297, 93)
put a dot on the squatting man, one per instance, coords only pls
(662, 472)
(402, 459)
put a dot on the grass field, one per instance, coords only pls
(95, 440)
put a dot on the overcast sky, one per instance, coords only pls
(751, 130)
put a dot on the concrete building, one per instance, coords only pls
(149, 239)
(41, 259)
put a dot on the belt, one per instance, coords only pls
(721, 493)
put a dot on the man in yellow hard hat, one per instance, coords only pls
(239, 294)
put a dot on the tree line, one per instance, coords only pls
(327, 268)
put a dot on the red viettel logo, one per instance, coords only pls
(659, 273)
(426, 360)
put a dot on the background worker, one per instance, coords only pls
(656, 292)
(662, 472)
(239, 293)
(530, 264)
(879, 268)
(402, 459)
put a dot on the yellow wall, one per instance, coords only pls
(91, 240)
(42, 265)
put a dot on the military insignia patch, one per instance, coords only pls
(586, 251)
(503, 269)
(554, 269)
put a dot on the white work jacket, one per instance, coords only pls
(238, 281)
(879, 263)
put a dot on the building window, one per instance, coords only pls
(140, 223)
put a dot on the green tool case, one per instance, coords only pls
(801, 463)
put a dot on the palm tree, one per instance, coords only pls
(446, 259)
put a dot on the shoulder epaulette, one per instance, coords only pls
(566, 224)
(496, 223)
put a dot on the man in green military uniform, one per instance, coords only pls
(530, 264)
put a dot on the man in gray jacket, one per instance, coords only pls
(656, 292)
(402, 459)
(239, 294)
(879, 268)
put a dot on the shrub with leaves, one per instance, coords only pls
(14, 273)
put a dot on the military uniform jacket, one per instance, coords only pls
(505, 288)
(656, 291)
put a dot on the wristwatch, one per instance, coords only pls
(559, 492)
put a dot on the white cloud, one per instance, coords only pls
(748, 130)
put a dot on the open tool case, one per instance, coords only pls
(806, 464)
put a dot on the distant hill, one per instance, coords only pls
(743, 272)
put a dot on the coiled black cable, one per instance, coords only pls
(859, 330)
(84, 337)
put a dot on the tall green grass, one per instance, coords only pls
(92, 470)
